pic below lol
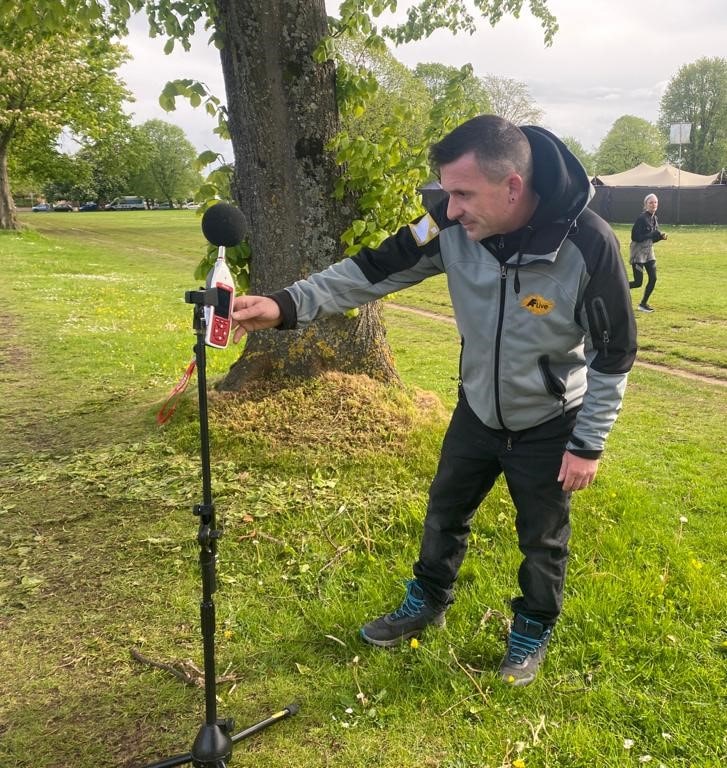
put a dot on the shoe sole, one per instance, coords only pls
(397, 640)
(648, 311)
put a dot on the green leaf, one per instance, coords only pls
(206, 158)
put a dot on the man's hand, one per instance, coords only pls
(253, 313)
(576, 473)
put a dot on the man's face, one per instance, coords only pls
(482, 207)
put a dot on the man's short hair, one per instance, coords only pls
(499, 146)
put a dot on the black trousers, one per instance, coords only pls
(638, 269)
(472, 458)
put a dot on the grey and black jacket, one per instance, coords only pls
(544, 313)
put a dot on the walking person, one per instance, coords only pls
(548, 337)
(644, 233)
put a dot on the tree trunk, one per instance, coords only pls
(282, 111)
(8, 219)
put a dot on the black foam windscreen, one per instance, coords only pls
(223, 224)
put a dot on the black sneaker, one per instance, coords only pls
(408, 620)
(526, 647)
(645, 308)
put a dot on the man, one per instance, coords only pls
(548, 337)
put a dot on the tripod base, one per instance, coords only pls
(213, 746)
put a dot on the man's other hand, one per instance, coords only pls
(576, 473)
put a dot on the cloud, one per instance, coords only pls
(609, 58)
(149, 71)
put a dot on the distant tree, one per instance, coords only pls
(438, 77)
(394, 90)
(631, 140)
(69, 179)
(109, 164)
(167, 169)
(587, 158)
(31, 162)
(511, 99)
(697, 94)
(63, 81)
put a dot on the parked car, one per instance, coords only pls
(191, 206)
(62, 205)
(41, 208)
(127, 203)
(89, 206)
(163, 206)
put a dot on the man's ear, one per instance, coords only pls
(515, 187)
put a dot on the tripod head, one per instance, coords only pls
(204, 297)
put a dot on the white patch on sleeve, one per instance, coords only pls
(424, 230)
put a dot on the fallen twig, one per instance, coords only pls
(186, 671)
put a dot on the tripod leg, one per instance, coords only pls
(289, 711)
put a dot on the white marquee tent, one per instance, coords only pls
(644, 175)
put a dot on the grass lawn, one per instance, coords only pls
(685, 330)
(321, 526)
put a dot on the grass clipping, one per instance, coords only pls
(337, 412)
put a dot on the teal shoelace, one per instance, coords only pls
(521, 646)
(411, 606)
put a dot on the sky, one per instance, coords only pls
(609, 58)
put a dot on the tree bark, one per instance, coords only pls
(282, 112)
(8, 218)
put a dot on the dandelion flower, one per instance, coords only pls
(414, 643)
(683, 519)
(510, 678)
(519, 763)
(628, 743)
(227, 634)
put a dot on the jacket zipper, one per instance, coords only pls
(553, 385)
(498, 338)
(603, 325)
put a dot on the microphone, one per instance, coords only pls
(224, 226)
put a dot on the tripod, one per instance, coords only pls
(212, 747)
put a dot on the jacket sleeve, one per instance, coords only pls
(608, 318)
(402, 260)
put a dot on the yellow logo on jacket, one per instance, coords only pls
(537, 304)
(425, 230)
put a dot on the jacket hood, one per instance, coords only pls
(558, 177)
(564, 190)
